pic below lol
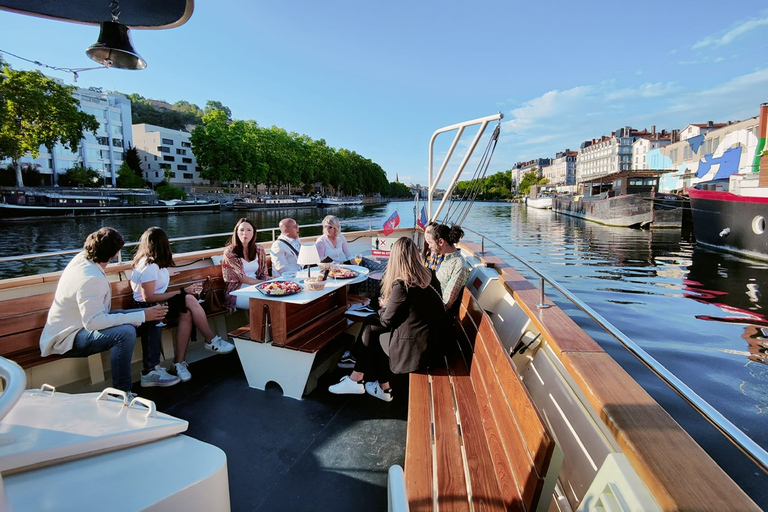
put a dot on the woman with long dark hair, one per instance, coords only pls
(453, 270)
(149, 281)
(244, 263)
(412, 310)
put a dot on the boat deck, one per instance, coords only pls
(325, 452)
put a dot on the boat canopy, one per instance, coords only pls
(142, 14)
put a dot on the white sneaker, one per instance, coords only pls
(347, 386)
(373, 389)
(181, 370)
(219, 346)
(158, 377)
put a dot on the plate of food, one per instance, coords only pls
(342, 273)
(279, 288)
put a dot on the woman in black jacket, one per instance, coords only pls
(412, 310)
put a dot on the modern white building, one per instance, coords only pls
(162, 150)
(103, 151)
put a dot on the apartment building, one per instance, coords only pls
(164, 151)
(103, 151)
(707, 152)
(520, 169)
(561, 172)
(606, 155)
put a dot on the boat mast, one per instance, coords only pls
(434, 180)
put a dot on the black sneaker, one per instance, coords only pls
(347, 360)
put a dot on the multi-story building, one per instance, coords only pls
(164, 151)
(606, 155)
(561, 173)
(644, 149)
(707, 152)
(103, 151)
(520, 169)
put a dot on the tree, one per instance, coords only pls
(126, 178)
(133, 161)
(35, 111)
(80, 176)
(531, 178)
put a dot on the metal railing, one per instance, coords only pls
(751, 449)
(274, 233)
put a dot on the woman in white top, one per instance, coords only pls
(149, 281)
(244, 263)
(333, 244)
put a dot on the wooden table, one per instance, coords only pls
(286, 333)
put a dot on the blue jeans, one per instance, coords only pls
(151, 336)
(119, 340)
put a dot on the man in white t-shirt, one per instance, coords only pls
(285, 250)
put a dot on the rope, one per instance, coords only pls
(464, 204)
(74, 71)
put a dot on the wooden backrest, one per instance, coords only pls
(520, 444)
(22, 318)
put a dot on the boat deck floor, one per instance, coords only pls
(325, 452)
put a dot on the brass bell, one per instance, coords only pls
(114, 48)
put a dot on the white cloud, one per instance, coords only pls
(731, 35)
(561, 119)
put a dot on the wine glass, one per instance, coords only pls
(358, 259)
(161, 323)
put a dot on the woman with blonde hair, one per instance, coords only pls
(149, 281)
(332, 243)
(412, 310)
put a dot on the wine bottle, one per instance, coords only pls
(324, 275)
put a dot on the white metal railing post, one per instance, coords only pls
(541, 304)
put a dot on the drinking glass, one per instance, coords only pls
(358, 258)
(161, 323)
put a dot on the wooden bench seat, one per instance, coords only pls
(474, 439)
(22, 318)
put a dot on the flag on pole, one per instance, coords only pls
(422, 221)
(392, 222)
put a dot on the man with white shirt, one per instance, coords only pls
(80, 322)
(285, 250)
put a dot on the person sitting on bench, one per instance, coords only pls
(412, 310)
(285, 250)
(80, 322)
(244, 263)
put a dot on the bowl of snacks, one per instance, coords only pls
(314, 284)
(325, 266)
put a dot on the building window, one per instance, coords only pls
(185, 144)
(187, 175)
(181, 167)
(155, 158)
(163, 149)
(168, 158)
(103, 141)
(145, 158)
(118, 143)
(173, 175)
(181, 151)
(186, 160)
(168, 142)
(156, 176)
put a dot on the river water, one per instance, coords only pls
(699, 313)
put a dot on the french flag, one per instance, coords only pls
(392, 222)
(422, 221)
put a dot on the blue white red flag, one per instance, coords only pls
(392, 222)
(422, 221)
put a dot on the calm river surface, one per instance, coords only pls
(699, 313)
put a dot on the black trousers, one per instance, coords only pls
(371, 358)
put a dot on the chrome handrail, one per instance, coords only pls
(742, 441)
(273, 232)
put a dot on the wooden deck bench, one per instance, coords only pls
(475, 441)
(22, 318)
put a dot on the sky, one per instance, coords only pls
(381, 78)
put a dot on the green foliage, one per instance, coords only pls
(133, 160)
(397, 189)
(127, 178)
(80, 177)
(35, 111)
(166, 192)
(494, 187)
(242, 151)
(531, 178)
(175, 117)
